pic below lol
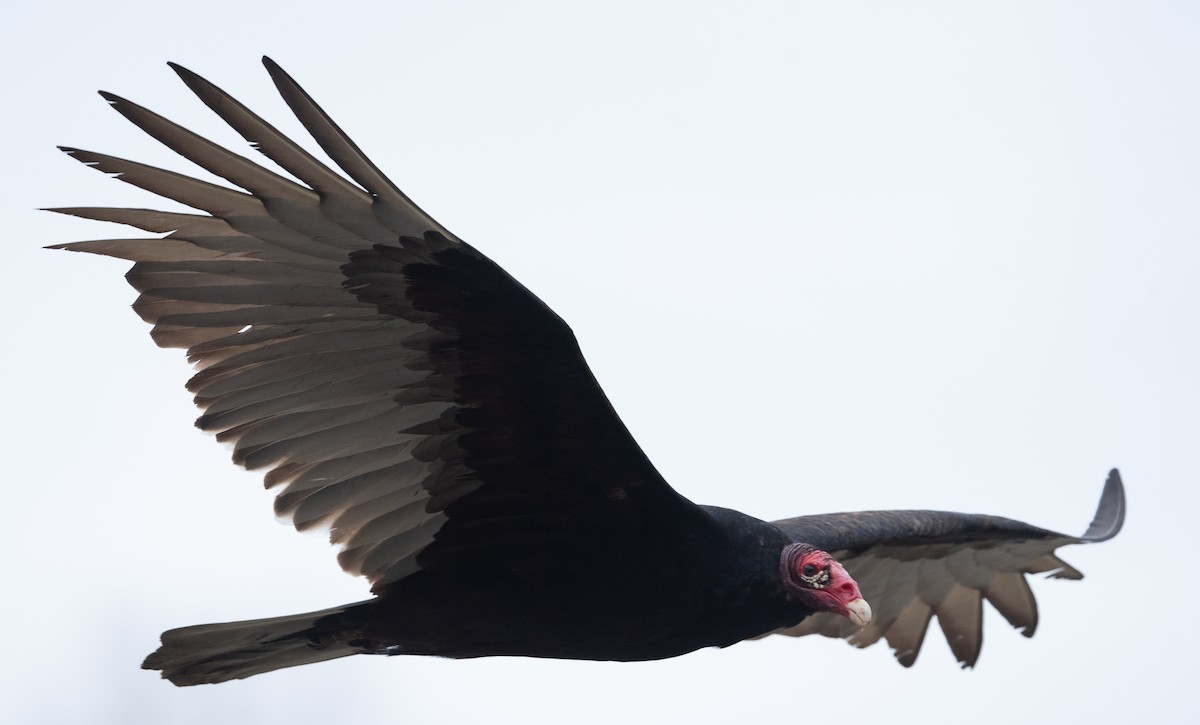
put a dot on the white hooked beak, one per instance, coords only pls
(859, 612)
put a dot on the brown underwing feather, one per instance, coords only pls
(148, 220)
(1010, 594)
(282, 150)
(390, 205)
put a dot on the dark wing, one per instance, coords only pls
(397, 386)
(914, 565)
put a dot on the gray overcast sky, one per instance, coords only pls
(822, 256)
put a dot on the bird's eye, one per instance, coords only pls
(809, 570)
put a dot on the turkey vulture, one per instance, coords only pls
(404, 392)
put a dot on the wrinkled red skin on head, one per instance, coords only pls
(840, 590)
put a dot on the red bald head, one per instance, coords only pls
(821, 583)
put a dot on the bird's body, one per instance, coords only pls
(638, 599)
(403, 391)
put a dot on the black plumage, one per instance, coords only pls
(402, 390)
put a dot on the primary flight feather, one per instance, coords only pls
(404, 392)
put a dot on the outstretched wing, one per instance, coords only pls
(397, 386)
(914, 565)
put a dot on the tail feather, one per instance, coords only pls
(211, 653)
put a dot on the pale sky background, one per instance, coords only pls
(822, 256)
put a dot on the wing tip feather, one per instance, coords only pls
(193, 80)
(1110, 512)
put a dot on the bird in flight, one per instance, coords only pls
(404, 392)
